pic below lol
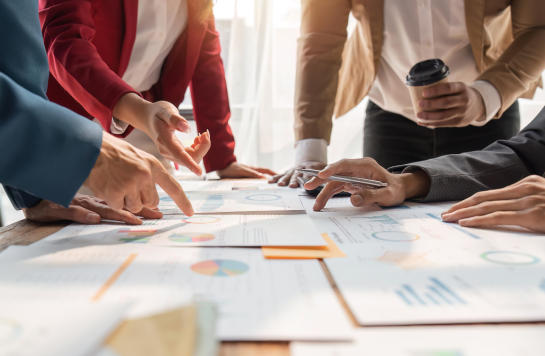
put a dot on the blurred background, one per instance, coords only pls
(259, 44)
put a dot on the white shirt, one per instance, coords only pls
(416, 30)
(159, 24)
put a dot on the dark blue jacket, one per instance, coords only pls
(46, 151)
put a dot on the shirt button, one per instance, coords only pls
(145, 64)
(161, 34)
(424, 4)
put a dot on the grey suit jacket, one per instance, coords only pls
(46, 151)
(455, 177)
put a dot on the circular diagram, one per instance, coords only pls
(191, 237)
(9, 331)
(510, 258)
(395, 236)
(264, 197)
(201, 219)
(220, 268)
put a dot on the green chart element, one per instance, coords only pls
(220, 268)
(191, 237)
(510, 258)
(135, 240)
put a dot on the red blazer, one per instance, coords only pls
(89, 44)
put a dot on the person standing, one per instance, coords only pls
(495, 50)
(129, 63)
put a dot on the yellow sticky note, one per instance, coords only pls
(306, 252)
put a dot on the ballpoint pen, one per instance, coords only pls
(355, 181)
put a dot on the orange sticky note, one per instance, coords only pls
(306, 252)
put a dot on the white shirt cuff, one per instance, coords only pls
(491, 98)
(310, 150)
(118, 127)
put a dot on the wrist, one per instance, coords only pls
(416, 184)
(129, 109)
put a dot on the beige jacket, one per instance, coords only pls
(334, 75)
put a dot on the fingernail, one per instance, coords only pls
(93, 218)
(425, 93)
(464, 222)
(356, 200)
(446, 217)
(444, 212)
(182, 126)
(421, 104)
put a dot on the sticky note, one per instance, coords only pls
(307, 252)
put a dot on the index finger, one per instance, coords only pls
(174, 190)
(507, 193)
(360, 165)
(178, 153)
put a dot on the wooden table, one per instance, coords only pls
(26, 232)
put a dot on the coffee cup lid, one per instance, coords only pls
(427, 72)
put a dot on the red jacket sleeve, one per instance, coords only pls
(211, 103)
(68, 29)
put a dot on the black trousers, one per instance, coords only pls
(392, 139)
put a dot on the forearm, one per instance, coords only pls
(416, 184)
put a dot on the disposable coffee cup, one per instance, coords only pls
(425, 75)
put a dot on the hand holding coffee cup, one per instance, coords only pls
(438, 103)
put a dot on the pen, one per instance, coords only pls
(355, 181)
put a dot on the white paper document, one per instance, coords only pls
(45, 329)
(443, 282)
(236, 201)
(522, 340)
(417, 225)
(198, 230)
(257, 299)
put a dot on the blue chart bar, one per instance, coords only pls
(212, 203)
(436, 294)
(453, 226)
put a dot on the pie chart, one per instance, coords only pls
(220, 268)
(264, 197)
(510, 258)
(201, 219)
(191, 237)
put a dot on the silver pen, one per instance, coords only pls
(355, 181)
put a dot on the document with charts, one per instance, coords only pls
(236, 201)
(52, 329)
(197, 230)
(520, 340)
(415, 225)
(399, 283)
(257, 299)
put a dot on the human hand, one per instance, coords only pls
(125, 177)
(522, 203)
(238, 170)
(160, 121)
(290, 176)
(86, 209)
(400, 186)
(456, 105)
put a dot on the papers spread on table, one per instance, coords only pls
(522, 340)
(283, 252)
(45, 329)
(237, 201)
(399, 283)
(257, 299)
(198, 230)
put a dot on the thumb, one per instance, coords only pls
(171, 115)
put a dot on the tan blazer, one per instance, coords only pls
(334, 75)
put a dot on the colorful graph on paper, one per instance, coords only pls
(220, 268)
(191, 237)
(201, 219)
(137, 235)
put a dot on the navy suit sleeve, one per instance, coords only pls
(456, 177)
(46, 151)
